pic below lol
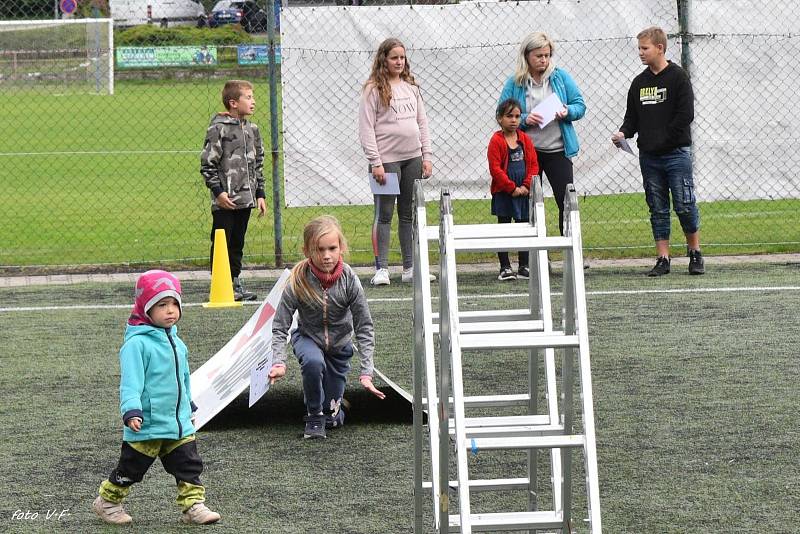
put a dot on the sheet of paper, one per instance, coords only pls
(259, 381)
(548, 108)
(391, 187)
(625, 146)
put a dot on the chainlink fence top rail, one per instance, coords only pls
(100, 159)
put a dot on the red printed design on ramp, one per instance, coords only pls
(266, 314)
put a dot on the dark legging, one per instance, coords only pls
(505, 263)
(558, 169)
(407, 172)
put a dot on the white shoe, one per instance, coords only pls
(199, 514)
(381, 278)
(110, 512)
(408, 275)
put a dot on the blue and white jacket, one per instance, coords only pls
(155, 383)
(567, 90)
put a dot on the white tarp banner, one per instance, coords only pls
(743, 122)
(741, 52)
(227, 374)
(461, 55)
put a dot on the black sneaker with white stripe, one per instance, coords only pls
(506, 274)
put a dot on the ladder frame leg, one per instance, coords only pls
(425, 360)
(582, 328)
(444, 377)
(417, 368)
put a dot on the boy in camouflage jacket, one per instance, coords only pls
(231, 164)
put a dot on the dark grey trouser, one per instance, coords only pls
(407, 171)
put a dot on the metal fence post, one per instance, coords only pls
(273, 135)
(683, 22)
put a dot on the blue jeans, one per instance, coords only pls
(324, 375)
(664, 174)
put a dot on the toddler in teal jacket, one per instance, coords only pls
(155, 404)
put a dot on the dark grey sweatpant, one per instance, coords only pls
(407, 171)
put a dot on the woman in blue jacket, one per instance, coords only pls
(535, 79)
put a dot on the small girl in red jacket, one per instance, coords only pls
(512, 165)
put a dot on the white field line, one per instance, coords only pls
(461, 297)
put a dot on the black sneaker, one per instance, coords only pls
(506, 274)
(661, 267)
(696, 263)
(523, 273)
(240, 293)
(315, 427)
(335, 421)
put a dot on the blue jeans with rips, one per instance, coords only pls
(664, 174)
(324, 375)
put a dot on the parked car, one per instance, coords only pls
(164, 12)
(245, 12)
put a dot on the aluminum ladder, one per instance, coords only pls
(531, 329)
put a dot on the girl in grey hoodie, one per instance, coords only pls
(331, 306)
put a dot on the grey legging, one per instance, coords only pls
(407, 171)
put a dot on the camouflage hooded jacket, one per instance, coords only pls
(233, 160)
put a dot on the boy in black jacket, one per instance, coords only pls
(660, 108)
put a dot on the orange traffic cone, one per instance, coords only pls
(221, 294)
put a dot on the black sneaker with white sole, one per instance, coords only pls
(506, 274)
(315, 427)
(524, 273)
(240, 293)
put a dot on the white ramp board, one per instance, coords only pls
(227, 374)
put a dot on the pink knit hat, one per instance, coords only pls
(151, 287)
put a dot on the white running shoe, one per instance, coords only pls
(110, 512)
(381, 278)
(199, 514)
(408, 275)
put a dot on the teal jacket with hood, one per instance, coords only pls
(155, 383)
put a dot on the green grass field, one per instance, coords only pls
(694, 391)
(114, 180)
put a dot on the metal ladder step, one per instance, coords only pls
(488, 327)
(477, 316)
(532, 442)
(491, 401)
(493, 484)
(509, 521)
(520, 340)
(513, 431)
(485, 231)
(509, 427)
(505, 244)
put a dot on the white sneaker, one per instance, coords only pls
(110, 512)
(408, 275)
(199, 514)
(381, 278)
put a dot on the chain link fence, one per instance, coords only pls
(106, 119)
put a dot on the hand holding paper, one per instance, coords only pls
(547, 109)
(620, 142)
(390, 185)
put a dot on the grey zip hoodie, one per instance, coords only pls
(330, 325)
(233, 161)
